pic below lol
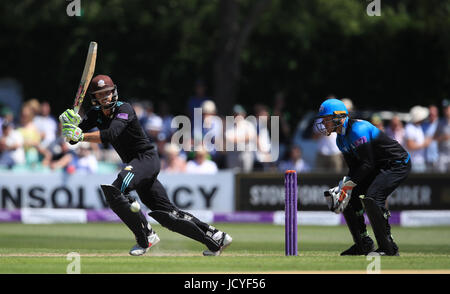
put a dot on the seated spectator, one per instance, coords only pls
(85, 162)
(11, 146)
(201, 164)
(396, 130)
(171, 161)
(60, 156)
(294, 162)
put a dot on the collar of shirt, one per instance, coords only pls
(344, 126)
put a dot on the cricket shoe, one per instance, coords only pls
(364, 249)
(224, 240)
(137, 250)
(382, 252)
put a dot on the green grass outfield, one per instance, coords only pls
(256, 248)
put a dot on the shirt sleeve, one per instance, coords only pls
(361, 139)
(120, 121)
(409, 132)
(89, 122)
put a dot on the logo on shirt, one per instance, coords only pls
(360, 141)
(128, 167)
(122, 115)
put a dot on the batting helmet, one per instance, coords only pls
(333, 107)
(102, 83)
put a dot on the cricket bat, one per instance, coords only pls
(86, 77)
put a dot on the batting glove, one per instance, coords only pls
(70, 117)
(72, 133)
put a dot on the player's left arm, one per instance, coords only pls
(93, 137)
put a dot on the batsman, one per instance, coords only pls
(118, 125)
(377, 166)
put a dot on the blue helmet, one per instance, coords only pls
(333, 107)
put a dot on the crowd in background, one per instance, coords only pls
(32, 141)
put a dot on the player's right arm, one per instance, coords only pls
(74, 128)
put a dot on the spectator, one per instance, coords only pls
(140, 112)
(442, 136)
(377, 122)
(31, 136)
(153, 127)
(280, 111)
(212, 132)
(172, 162)
(85, 162)
(295, 161)
(60, 156)
(263, 152)
(154, 131)
(34, 105)
(167, 117)
(429, 128)
(242, 136)
(396, 130)
(328, 157)
(349, 104)
(7, 115)
(11, 146)
(151, 121)
(201, 164)
(46, 124)
(197, 99)
(415, 140)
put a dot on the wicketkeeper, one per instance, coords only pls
(118, 125)
(377, 166)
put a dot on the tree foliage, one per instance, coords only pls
(156, 49)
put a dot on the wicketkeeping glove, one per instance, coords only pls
(332, 197)
(72, 133)
(338, 197)
(70, 117)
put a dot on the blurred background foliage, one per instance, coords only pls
(307, 49)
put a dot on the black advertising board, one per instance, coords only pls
(265, 191)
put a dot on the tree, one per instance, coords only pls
(233, 37)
